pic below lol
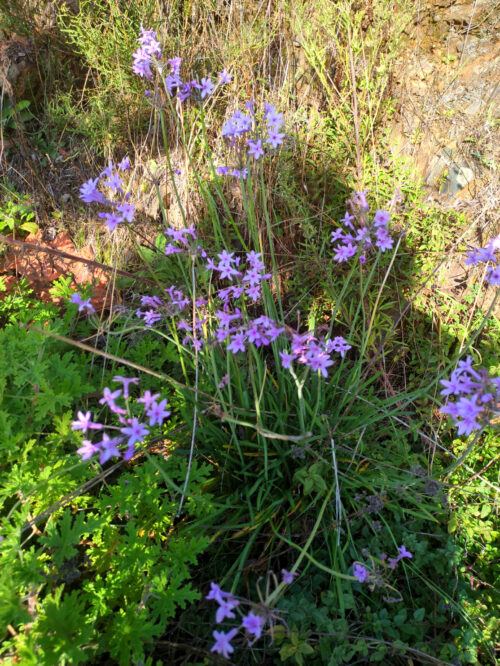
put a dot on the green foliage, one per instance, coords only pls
(84, 558)
(16, 214)
(10, 112)
(103, 33)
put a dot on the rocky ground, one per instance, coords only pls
(448, 119)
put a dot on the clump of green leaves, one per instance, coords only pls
(17, 214)
(92, 564)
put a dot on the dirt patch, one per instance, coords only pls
(41, 262)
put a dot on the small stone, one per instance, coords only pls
(458, 178)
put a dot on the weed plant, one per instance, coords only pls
(312, 481)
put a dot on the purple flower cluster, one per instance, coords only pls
(248, 279)
(158, 309)
(253, 624)
(362, 574)
(122, 209)
(478, 397)
(308, 350)
(184, 89)
(150, 48)
(232, 325)
(485, 255)
(181, 239)
(359, 233)
(144, 55)
(132, 430)
(266, 133)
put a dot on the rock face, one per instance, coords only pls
(449, 97)
(448, 123)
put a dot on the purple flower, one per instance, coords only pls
(274, 119)
(172, 82)
(114, 182)
(317, 359)
(222, 170)
(216, 593)
(229, 129)
(225, 609)
(151, 301)
(84, 423)
(157, 413)
(135, 432)
(87, 449)
(222, 645)
(286, 359)
(472, 257)
(381, 218)
(253, 624)
(149, 42)
(384, 240)
(109, 397)
(476, 389)
(493, 275)
(207, 86)
(359, 200)
(112, 220)
(171, 249)
(253, 293)
(185, 92)
(336, 235)
(404, 553)
(237, 343)
(150, 317)
(90, 193)
(224, 77)
(108, 448)
(255, 260)
(82, 305)
(148, 399)
(126, 381)
(344, 252)
(142, 64)
(239, 173)
(124, 164)
(177, 298)
(288, 577)
(274, 137)
(175, 65)
(225, 318)
(338, 344)
(255, 149)
(223, 382)
(360, 572)
(453, 386)
(468, 411)
(347, 220)
(127, 210)
(107, 171)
